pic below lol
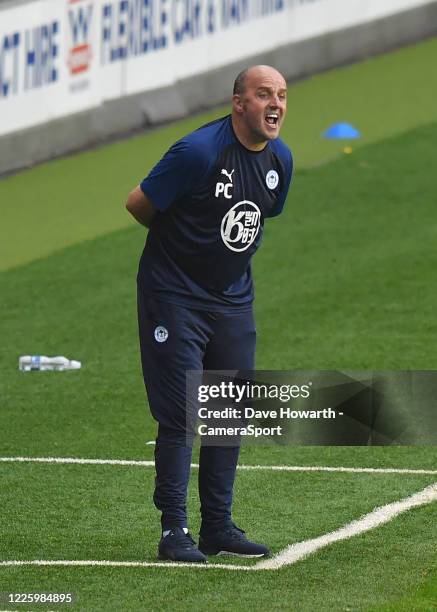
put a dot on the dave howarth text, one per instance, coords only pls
(251, 413)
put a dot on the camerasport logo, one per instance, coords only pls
(240, 225)
(80, 14)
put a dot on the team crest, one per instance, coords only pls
(272, 179)
(161, 333)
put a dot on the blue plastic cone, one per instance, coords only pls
(342, 131)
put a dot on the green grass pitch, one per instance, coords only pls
(345, 280)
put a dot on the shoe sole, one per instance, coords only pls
(234, 554)
(216, 553)
(163, 558)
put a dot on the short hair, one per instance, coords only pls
(240, 82)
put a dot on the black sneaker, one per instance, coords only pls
(179, 546)
(231, 540)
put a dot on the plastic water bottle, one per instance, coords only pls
(27, 363)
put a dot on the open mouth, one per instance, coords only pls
(272, 119)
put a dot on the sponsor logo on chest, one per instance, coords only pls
(240, 225)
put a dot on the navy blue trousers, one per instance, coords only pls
(174, 339)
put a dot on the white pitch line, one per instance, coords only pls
(274, 468)
(322, 468)
(290, 555)
(77, 460)
(379, 516)
(165, 564)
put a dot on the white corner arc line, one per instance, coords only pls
(273, 468)
(290, 555)
(378, 516)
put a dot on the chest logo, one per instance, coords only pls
(240, 225)
(225, 188)
(272, 179)
(161, 333)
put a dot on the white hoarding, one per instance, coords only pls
(59, 57)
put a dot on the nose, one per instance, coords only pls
(275, 101)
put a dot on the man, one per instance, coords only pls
(205, 203)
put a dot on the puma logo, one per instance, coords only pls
(228, 174)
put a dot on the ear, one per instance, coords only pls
(237, 103)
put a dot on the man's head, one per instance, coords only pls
(259, 104)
